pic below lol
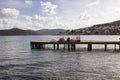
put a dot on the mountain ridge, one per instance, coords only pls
(17, 31)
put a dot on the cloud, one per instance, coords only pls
(95, 2)
(39, 22)
(6, 23)
(48, 8)
(9, 13)
(28, 2)
(9, 19)
(84, 16)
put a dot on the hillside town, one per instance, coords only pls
(112, 28)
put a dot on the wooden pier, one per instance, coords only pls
(72, 45)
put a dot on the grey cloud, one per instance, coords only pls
(9, 13)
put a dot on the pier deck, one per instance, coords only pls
(40, 44)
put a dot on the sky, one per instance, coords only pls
(53, 14)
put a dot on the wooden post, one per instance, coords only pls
(64, 46)
(119, 47)
(68, 47)
(43, 46)
(105, 47)
(54, 46)
(32, 45)
(89, 47)
(35, 46)
(39, 46)
(115, 47)
(73, 47)
(57, 46)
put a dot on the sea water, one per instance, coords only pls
(19, 62)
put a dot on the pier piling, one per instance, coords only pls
(105, 47)
(57, 46)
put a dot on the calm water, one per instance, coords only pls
(19, 62)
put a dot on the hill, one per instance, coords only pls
(112, 28)
(50, 31)
(16, 31)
